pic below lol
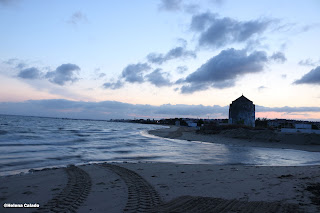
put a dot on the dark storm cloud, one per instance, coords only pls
(113, 85)
(175, 53)
(222, 70)
(63, 74)
(170, 5)
(30, 73)
(133, 73)
(157, 78)
(312, 77)
(278, 57)
(217, 32)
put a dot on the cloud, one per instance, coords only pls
(19, 64)
(30, 73)
(157, 78)
(191, 8)
(175, 53)
(77, 17)
(170, 5)
(312, 77)
(309, 27)
(307, 62)
(63, 74)
(106, 109)
(222, 70)
(287, 109)
(182, 69)
(217, 2)
(278, 57)
(101, 75)
(113, 85)
(217, 32)
(113, 109)
(11, 61)
(191, 88)
(202, 21)
(133, 72)
(262, 88)
(8, 2)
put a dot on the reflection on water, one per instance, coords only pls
(31, 142)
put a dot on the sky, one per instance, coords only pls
(159, 58)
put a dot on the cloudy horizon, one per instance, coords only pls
(161, 58)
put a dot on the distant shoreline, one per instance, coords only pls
(299, 142)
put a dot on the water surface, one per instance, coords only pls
(33, 142)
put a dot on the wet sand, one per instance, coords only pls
(168, 187)
(163, 187)
(297, 142)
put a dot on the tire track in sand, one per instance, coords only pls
(190, 204)
(73, 195)
(142, 197)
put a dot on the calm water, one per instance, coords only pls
(31, 142)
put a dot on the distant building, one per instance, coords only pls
(242, 111)
(191, 123)
(281, 123)
(303, 126)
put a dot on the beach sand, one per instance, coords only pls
(162, 187)
(287, 140)
(168, 187)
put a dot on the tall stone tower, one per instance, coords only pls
(242, 111)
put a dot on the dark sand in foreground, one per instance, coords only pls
(101, 187)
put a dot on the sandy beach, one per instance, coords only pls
(166, 187)
(243, 138)
(163, 187)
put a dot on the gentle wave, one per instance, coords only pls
(32, 142)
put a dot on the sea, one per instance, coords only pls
(36, 142)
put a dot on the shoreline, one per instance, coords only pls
(262, 185)
(189, 134)
(94, 187)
